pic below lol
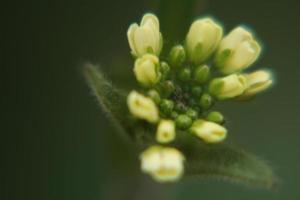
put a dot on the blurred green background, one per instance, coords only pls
(56, 142)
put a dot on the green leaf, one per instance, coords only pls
(111, 100)
(228, 163)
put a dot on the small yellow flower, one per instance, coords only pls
(237, 51)
(257, 82)
(227, 87)
(202, 39)
(142, 107)
(146, 69)
(165, 131)
(145, 38)
(164, 164)
(210, 132)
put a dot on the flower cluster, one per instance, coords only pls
(179, 90)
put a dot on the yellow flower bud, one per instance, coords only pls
(202, 39)
(257, 82)
(146, 70)
(145, 38)
(227, 87)
(164, 164)
(165, 131)
(237, 51)
(210, 132)
(142, 107)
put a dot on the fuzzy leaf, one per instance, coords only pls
(111, 100)
(227, 163)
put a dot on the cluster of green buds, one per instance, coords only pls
(178, 91)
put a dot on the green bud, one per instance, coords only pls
(206, 101)
(167, 88)
(174, 114)
(183, 122)
(166, 106)
(201, 74)
(215, 116)
(185, 74)
(164, 69)
(180, 107)
(193, 114)
(197, 91)
(177, 55)
(154, 95)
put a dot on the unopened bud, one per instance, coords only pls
(206, 101)
(142, 107)
(209, 131)
(164, 164)
(183, 122)
(145, 38)
(193, 114)
(185, 74)
(257, 82)
(165, 131)
(202, 39)
(201, 74)
(227, 87)
(215, 116)
(166, 106)
(154, 95)
(146, 70)
(237, 51)
(164, 69)
(177, 56)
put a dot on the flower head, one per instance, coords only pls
(180, 89)
(145, 38)
(164, 164)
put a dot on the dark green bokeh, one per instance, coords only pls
(58, 145)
